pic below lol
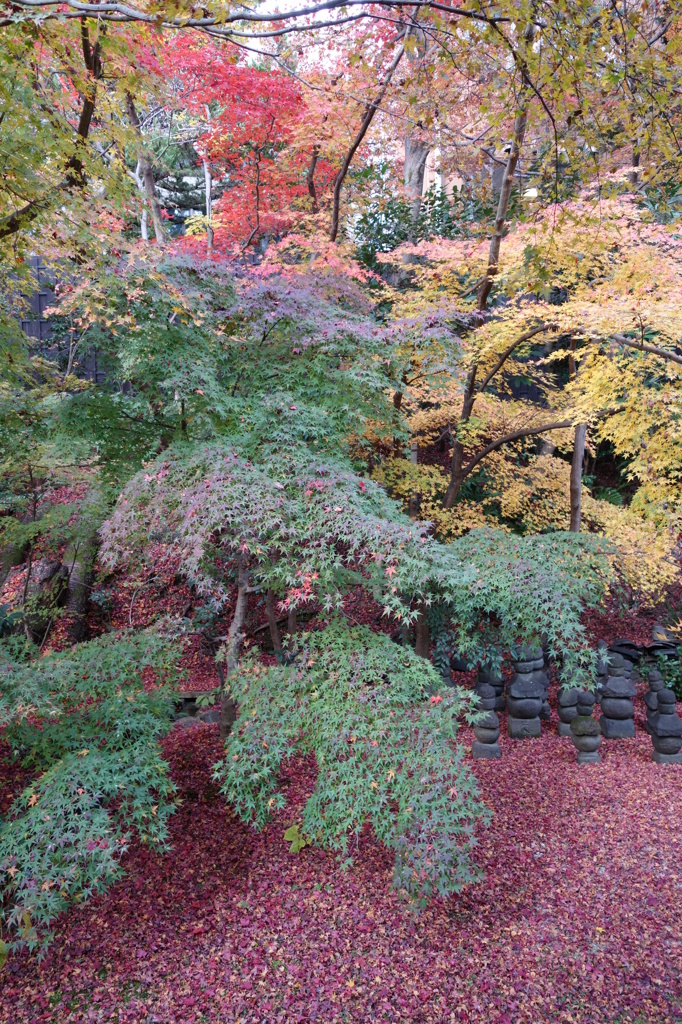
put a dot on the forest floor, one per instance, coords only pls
(578, 918)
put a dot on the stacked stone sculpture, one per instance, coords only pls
(656, 684)
(526, 695)
(602, 667)
(618, 712)
(490, 677)
(540, 676)
(568, 709)
(666, 730)
(585, 730)
(487, 730)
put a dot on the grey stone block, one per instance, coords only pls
(614, 707)
(564, 729)
(666, 758)
(486, 735)
(525, 687)
(524, 707)
(666, 744)
(485, 750)
(588, 758)
(524, 728)
(586, 744)
(619, 687)
(617, 729)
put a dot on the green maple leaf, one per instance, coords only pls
(293, 836)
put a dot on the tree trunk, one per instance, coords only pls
(421, 633)
(208, 180)
(272, 622)
(370, 111)
(577, 476)
(228, 708)
(457, 463)
(416, 153)
(507, 181)
(146, 172)
(79, 562)
(310, 177)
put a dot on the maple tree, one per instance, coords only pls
(251, 422)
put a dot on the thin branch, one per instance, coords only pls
(643, 346)
(508, 351)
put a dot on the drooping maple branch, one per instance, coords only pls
(370, 111)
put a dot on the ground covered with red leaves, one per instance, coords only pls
(579, 918)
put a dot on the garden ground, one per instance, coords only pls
(577, 921)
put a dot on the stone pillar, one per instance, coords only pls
(525, 697)
(585, 730)
(540, 676)
(602, 668)
(618, 712)
(487, 730)
(651, 696)
(487, 677)
(568, 709)
(666, 730)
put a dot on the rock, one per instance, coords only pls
(545, 711)
(585, 731)
(568, 709)
(185, 722)
(522, 686)
(619, 687)
(487, 733)
(666, 758)
(666, 744)
(485, 750)
(620, 708)
(585, 704)
(617, 729)
(665, 729)
(583, 757)
(524, 728)
(489, 721)
(666, 725)
(526, 694)
(524, 707)
(616, 665)
(493, 678)
(211, 717)
(486, 696)
(587, 744)
(585, 725)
